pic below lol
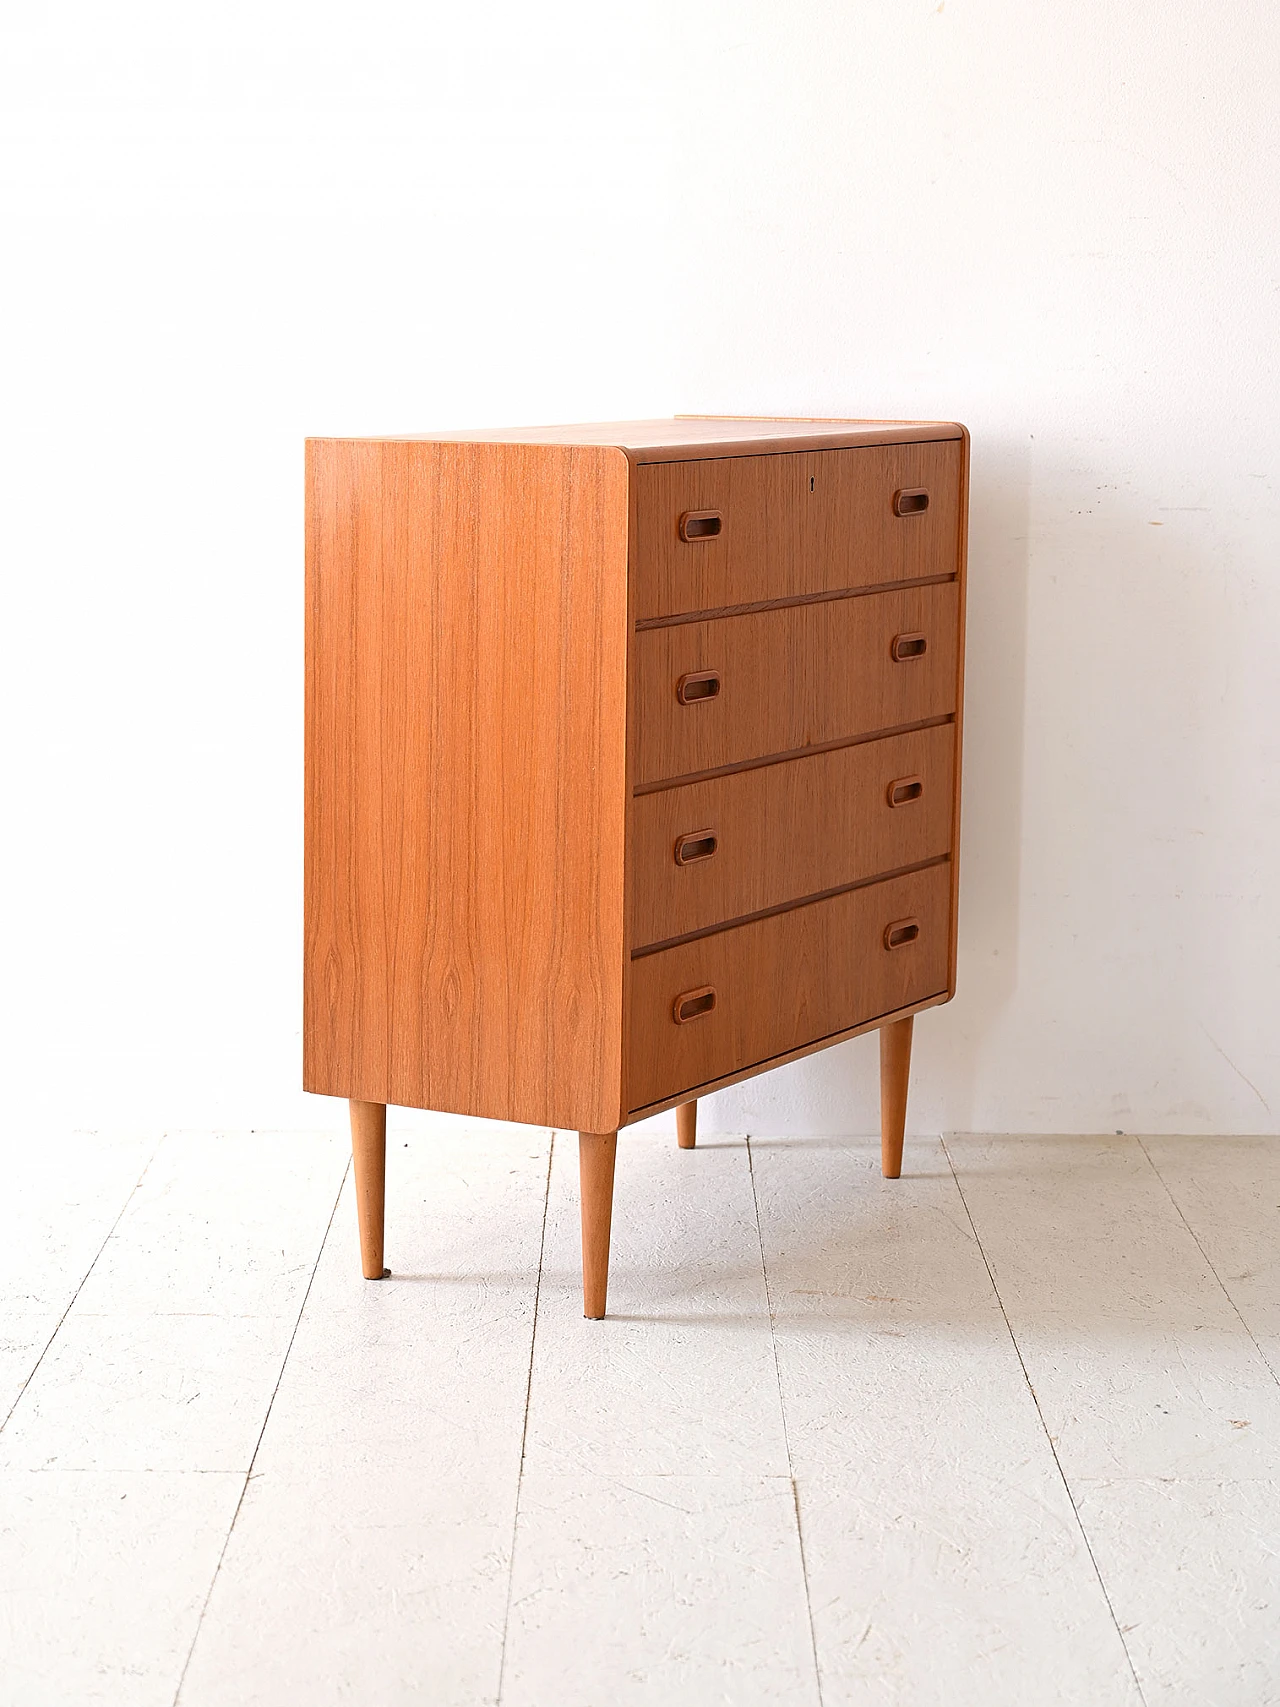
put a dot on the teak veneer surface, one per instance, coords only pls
(792, 524)
(466, 765)
(785, 981)
(791, 678)
(789, 830)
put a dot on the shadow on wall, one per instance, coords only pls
(838, 1090)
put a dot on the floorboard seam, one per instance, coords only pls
(257, 1446)
(524, 1432)
(786, 1438)
(1208, 1261)
(128, 1199)
(1035, 1399)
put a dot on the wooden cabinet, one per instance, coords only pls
(632, 769)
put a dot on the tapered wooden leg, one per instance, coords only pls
(369, 1160)
(895, 1070)
(596, 1153)
(687, 1124)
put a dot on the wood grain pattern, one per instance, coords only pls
(465, 796)
(805, 522)
(790, 678)
(788, 830)
(784, 982)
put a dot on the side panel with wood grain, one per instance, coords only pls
(465, 794)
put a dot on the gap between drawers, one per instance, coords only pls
(645, 624)
(787, 906)
(811, 751)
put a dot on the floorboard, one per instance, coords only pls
(1005, 1430)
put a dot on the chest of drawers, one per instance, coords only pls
(632, 769)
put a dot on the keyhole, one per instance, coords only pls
(811, 483)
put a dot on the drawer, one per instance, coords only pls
(780, 983)
(716, 850)
(790, 678)
(794, 523)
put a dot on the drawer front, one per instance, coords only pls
(761, 990)
(775, 527)
(791, 678)
(716, 850)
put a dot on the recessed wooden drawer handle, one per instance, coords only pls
(905, 790)
(703, 684)
(693, 1004)
(698, 844)
(900, 934)
(907, 646)
(700, 524)
(911, 501)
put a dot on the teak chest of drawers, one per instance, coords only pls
(633, 768)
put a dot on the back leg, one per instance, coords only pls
(687, 1124)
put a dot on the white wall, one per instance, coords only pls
(231, 227)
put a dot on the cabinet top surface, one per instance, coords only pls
(696, 435)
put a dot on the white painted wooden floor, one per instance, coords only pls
(1004, 1431)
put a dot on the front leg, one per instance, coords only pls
(369, 1163)
(895, 1070)
(596, 1153)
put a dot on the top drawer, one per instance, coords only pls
(776, 527)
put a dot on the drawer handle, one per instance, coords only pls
(905, 790)
(703, 684)
(911, 501)
(701, 524)
(907, 646)
(698, 844)
(900, 934)
(693, 1004)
